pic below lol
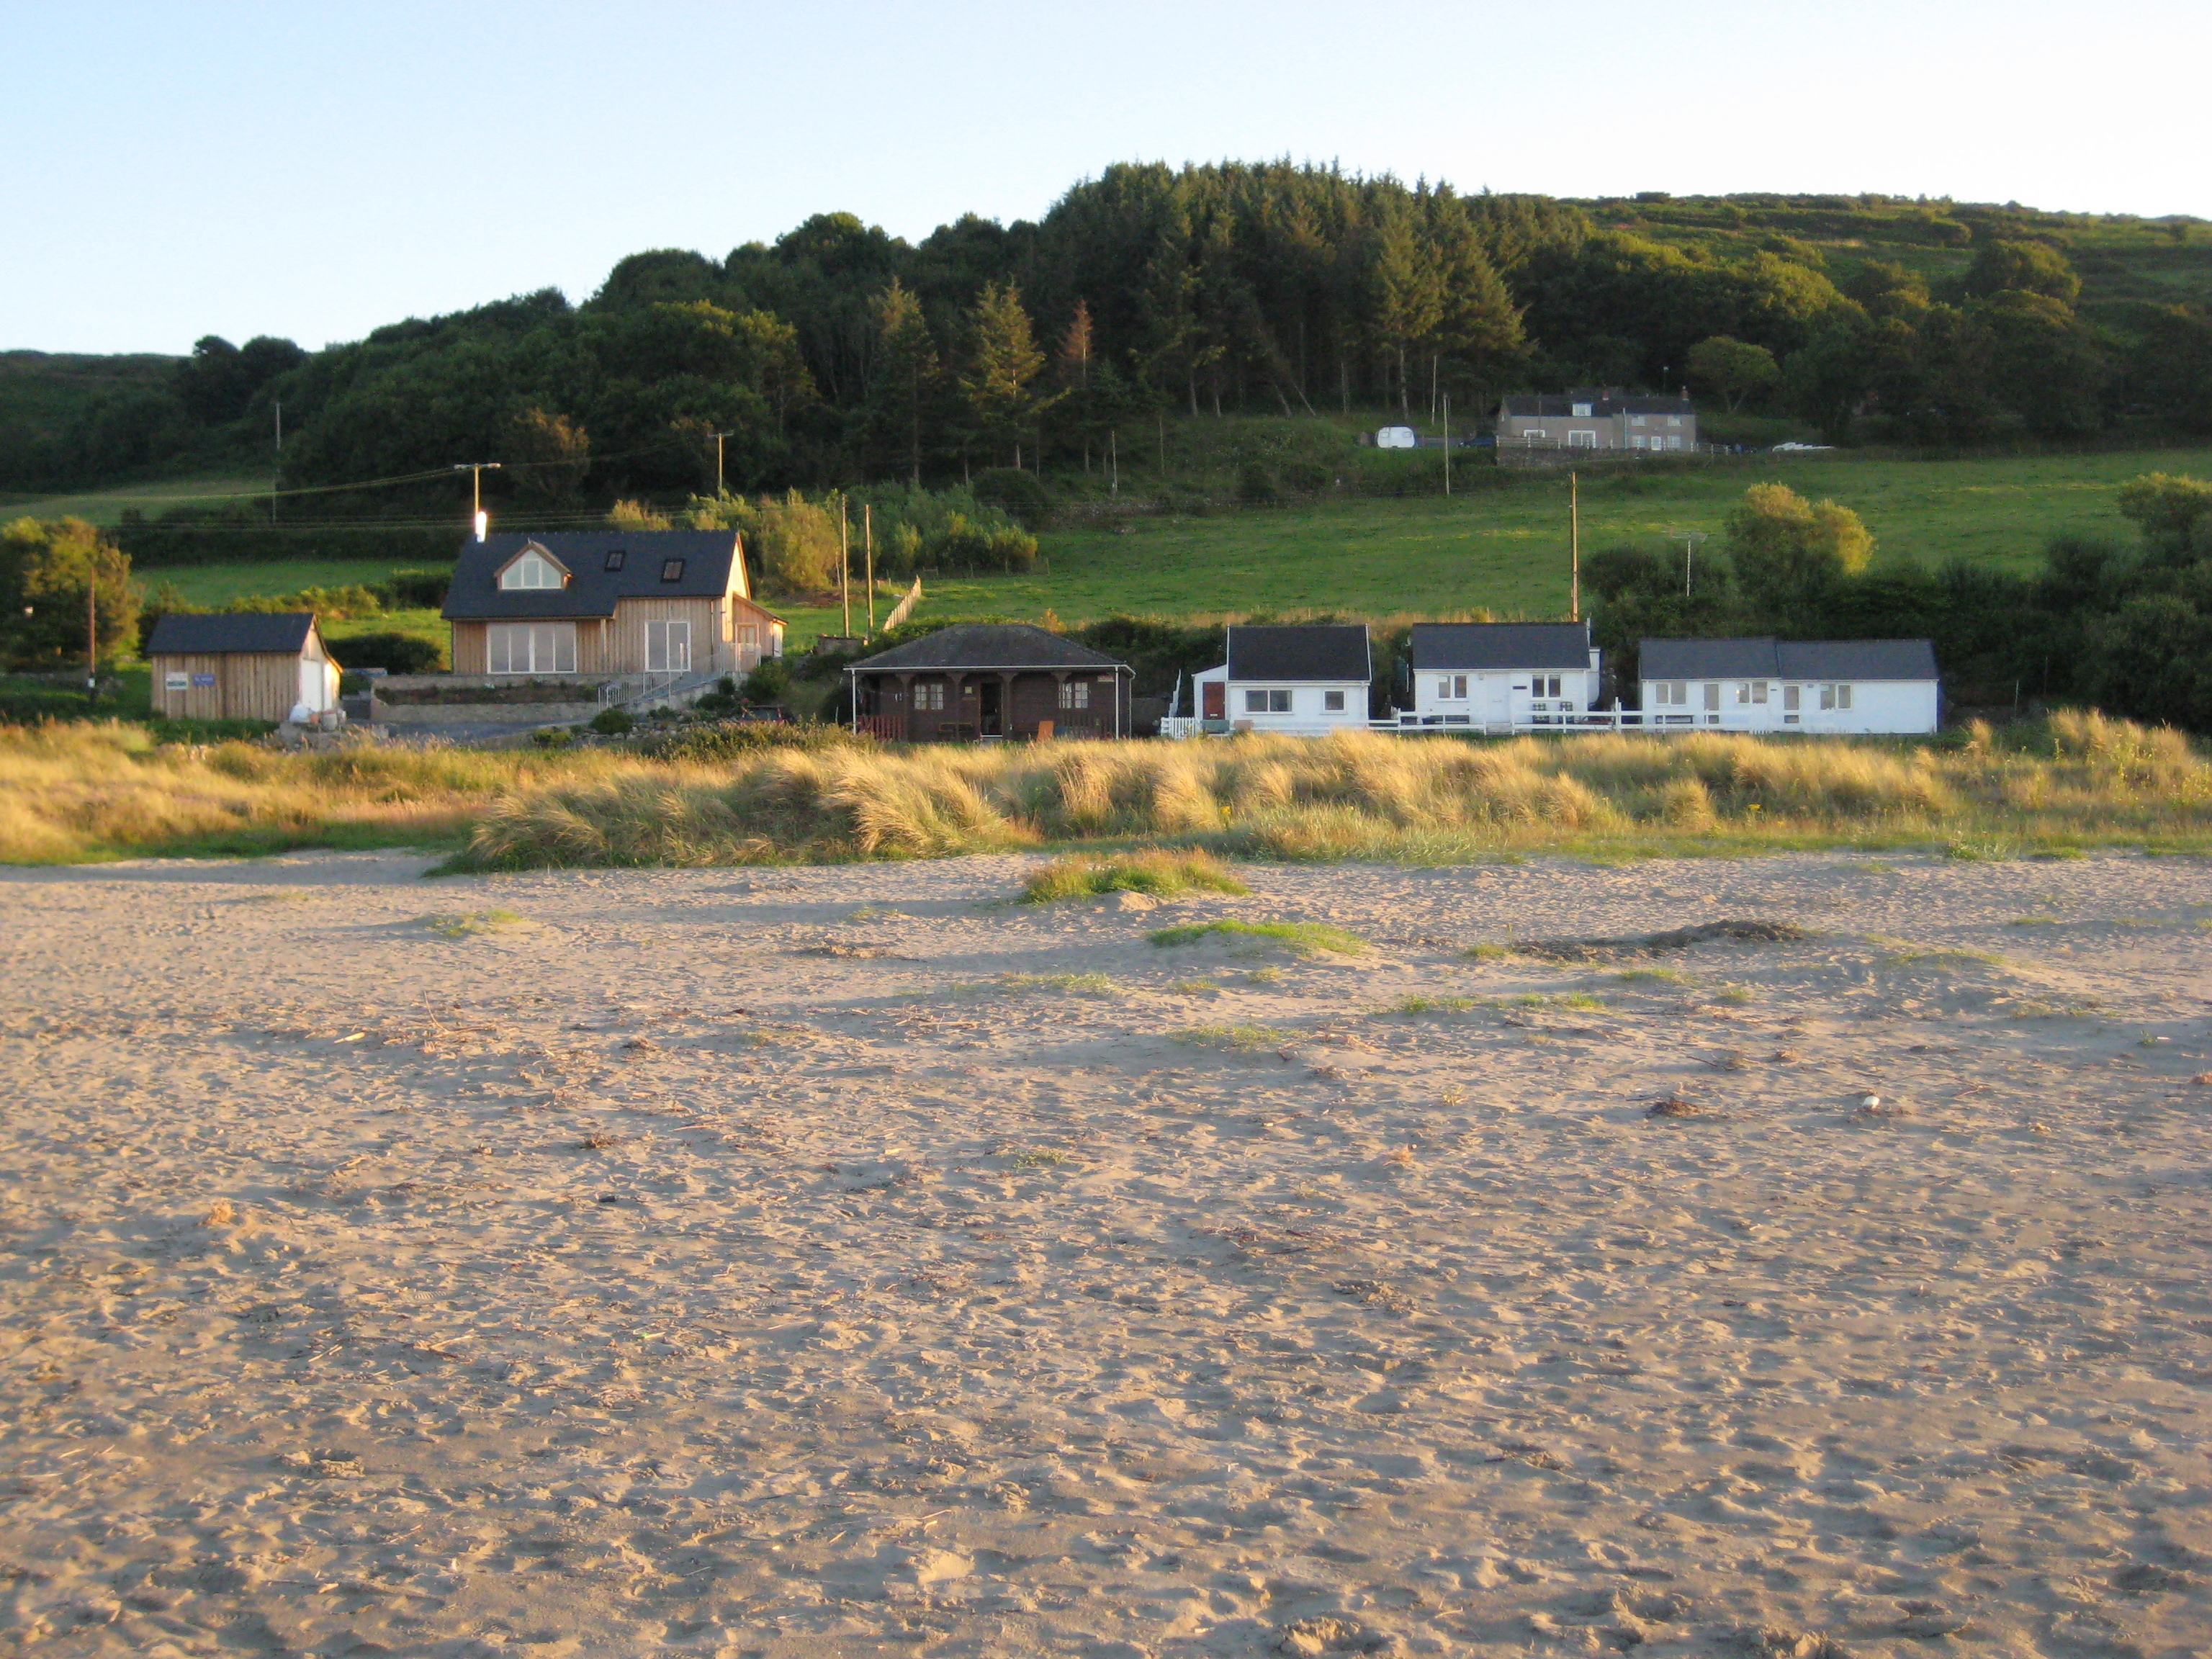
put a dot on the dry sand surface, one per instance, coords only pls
(748, 1263)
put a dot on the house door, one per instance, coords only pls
(1497, 699)
(989, 710)
(1213, 701)
(668, 647)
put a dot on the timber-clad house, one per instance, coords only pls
(990, 680)
(607, 602)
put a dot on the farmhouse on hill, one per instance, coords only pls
(990, 680)
(240, 665)
(552, 604)
(1585, 419)
(1859, 686)
(1306, 680)
(1501, 674)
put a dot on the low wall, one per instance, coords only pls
(519, 715)
(481, 700)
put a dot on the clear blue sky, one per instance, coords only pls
(172, 170)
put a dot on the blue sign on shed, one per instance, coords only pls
(203, 679)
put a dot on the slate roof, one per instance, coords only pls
(1787, 660)
(1602, 404)
(1500, 645)
(592, 589)
(987, 647)
(178, 636)
(1311, 651)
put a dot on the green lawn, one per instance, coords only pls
(108, 505)
(218, 583)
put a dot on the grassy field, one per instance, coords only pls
(72, 793)
(108, 505)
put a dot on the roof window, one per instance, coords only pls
(616, 557)
(672, 570)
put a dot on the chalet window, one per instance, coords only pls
(1075, 694)
(1789, 695)
(1835, 697)
(672, 570)
(1544, 685)
(616, 557)
(530, 648)
(1333, 701)
(1276, 701)
(1670, 693)
(929, 695)
(532, 570)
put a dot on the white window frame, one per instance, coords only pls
(1792, 698)
(1332, 702)
(1670, 694)
(1075, 694)
(1712, 695)
(1583, 411)
(530, 573)
(1582, 440)
(1267, 699)
(1532, 434)
(536, 647)
(667, 639)
(930, 695)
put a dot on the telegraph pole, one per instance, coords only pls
(1574, 550)
(845, 562)
(1447, 443)
(276, 466)
(476, 470)
(868, 531)
(719, 436)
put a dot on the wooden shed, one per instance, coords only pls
(248, 666)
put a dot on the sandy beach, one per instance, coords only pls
(848, 1260)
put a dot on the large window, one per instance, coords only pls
(530, 648)
(1451, 685)
(1835, 697)
(1075, 694)
(668, 647)
(532, 570)
(1669, 693)
(1581, 440)
(1543, 685)
(1276, 700)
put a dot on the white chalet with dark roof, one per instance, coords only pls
(1866, 687)
(1501, 674)
(1302, 679)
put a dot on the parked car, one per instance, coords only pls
(1799, 449)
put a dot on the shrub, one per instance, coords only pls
(744, 739)
(1309, 477)
(611, 723)
(768, 682)
(416, 590)
(1016, 493)
(395, 653)
(1255, 485)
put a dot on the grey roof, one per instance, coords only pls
(987, 645)
(1610, 401)
(177, 634)
(1787, 660)
(1308, 651)
(592, 589)
(1501, 645)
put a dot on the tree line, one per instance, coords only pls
(840, 353)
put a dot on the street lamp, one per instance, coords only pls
(476, 470)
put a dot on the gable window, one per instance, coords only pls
(1274, 701)
(672, 570)
(532, 570)
(530, 648)
(616, 557)
(1583, 410)
(1075, 694)
(1333, 701)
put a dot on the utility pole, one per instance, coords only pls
(1689, 546)
(868, 535)
(845, 563)
(276, 466)
(476, 470)
(1574, 549)
(92, 626)
(1447, 443)
(719, 436)
(1114, 459)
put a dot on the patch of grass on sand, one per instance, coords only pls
(1583, 999)
(1305, 937)
(466, 924)
(1194, 988)
(1236, 1039)
(1157, 872)
(1035, 1157)
(1435, 1005)
(1487, 953)
(1904, 953)
(1735, 995)
(1088, 985)
(1654, 977)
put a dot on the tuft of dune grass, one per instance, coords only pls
(1159, 871)
(1305, 937)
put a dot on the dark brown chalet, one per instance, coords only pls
(982, 680)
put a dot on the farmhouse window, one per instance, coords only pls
(530, 571)
(1451, 685)
(1673, 420)
(1075, 694)
(530, 648)
(749, 636)
(1333, 701)
(1583, 440)
(1583, 410)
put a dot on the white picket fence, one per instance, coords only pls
(1597, 720)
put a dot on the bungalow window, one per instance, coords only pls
(1272, 701)
(1751, 692)
(1835, 697)
(530, 648)
(1543, 685)
(616, 557)
(1789, 696)
(1451, 685)
(530, 571)
(930, 695)
(672, 570)
(1333, 701)
(1075, 694)
(1670, 693)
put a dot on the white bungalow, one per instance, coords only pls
(1306, 680)
(1861, 686)
(1501, 674)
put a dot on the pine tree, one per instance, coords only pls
(906, 378)
(1003, 360)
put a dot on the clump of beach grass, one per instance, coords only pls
(1420, 1005)
(467, 924)
(1159, 873)
(1236, 1039)
(1305, 937)
(1089, 985)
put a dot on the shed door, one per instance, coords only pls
(1213, 701)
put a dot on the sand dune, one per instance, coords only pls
(849, 1261)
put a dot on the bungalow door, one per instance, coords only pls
(668, 647)
(1213, 701)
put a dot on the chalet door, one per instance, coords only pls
(1497, 698)
(988, 709)
(668, 647)
(1213, 701)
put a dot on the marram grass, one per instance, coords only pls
(87, 792)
